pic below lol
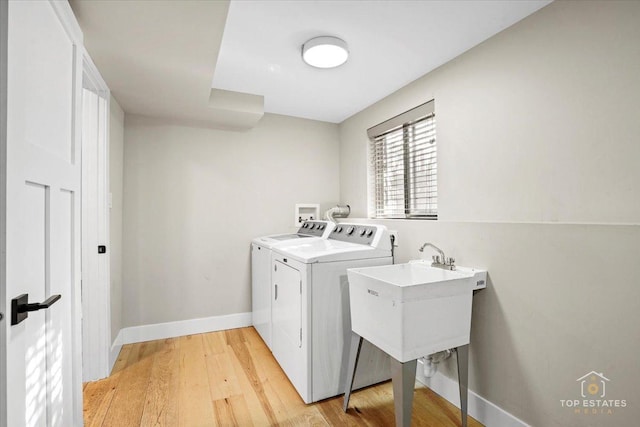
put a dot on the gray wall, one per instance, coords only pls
(538, 183)
(195, 197)
(116, 151)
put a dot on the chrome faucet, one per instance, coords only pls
(440, 260)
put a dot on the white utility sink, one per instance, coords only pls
(412, 310)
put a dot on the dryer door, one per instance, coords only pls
(287, 321)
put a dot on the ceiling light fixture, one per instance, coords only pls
(325, 52)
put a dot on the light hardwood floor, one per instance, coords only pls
(230, 378)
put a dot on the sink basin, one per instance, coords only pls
(413, 310)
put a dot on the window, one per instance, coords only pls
(403, 165)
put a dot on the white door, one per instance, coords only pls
(42, 215)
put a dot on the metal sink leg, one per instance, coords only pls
(463, 380)
(354, 355)
(403, 376)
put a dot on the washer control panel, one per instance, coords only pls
(313, 228)
(354, 233)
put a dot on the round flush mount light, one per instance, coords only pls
(325, 52)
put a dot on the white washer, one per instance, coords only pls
(310, 309)
(261, 270)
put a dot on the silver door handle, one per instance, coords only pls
(276, 291)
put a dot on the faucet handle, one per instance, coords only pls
(436, 259)
(450, 261)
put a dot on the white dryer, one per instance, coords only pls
(310, 309)
(261, 270)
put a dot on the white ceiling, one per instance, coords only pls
(186, 60)
(157, 57)
(391, 43)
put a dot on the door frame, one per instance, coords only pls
(4, 24)
(96, 298)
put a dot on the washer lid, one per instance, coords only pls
(283, 239)
(289, 237)
(310, 230)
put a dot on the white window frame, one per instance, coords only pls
(403, 185)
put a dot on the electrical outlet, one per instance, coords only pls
(394, 233)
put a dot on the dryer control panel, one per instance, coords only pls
(354, 233)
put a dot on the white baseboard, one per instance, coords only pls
(478, 407)
(180, 328)
(115, 351)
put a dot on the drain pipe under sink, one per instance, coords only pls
(430, 362)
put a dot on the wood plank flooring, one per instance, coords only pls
(230, 378)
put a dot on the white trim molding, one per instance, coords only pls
(4, 28)
(68, 19)
(158, 331)
(96, 296)
(481, 409)
(115, 351)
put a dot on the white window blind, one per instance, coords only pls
(403, 165)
